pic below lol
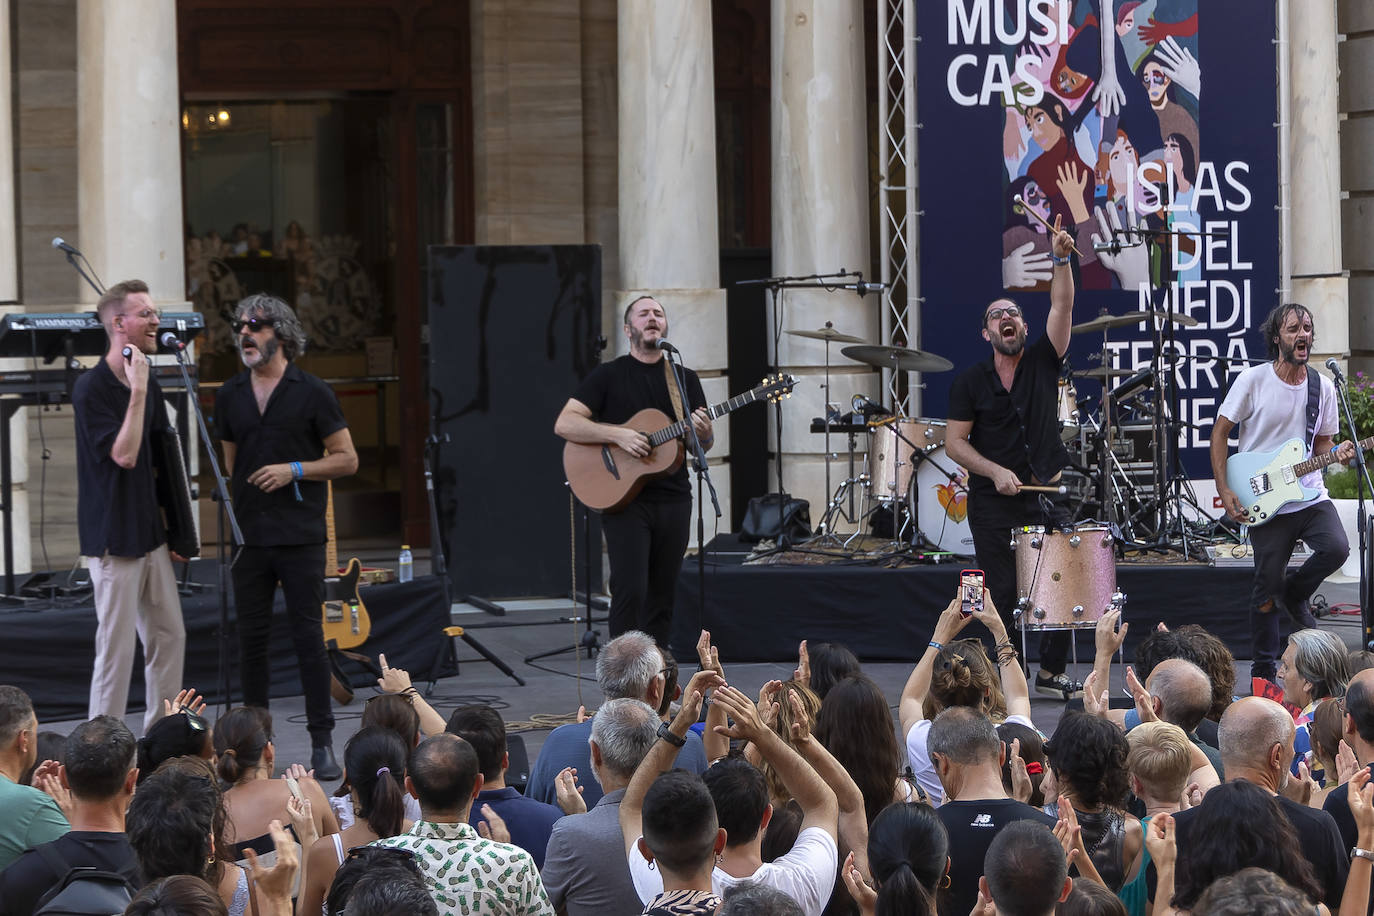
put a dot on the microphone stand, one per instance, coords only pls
(703, 473)
(226, 512)
(1361, 516)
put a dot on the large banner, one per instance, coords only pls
(1108, 115)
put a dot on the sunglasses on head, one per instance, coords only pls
(253, 324)
(197, 723)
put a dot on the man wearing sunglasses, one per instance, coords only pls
(284, 436)
(1004, 428)
(119, 408)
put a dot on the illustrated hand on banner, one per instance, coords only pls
(1180, 66)
(1131, 265)
(1022, 268)
(1108, 94)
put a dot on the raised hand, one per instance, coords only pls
(1346, 764)
(1144, 703)
(801, 722)
(1021, 786)
(865, 896)
(747, 723)
(393, 680)
(187, 699)
(802, 675)
(493, 828)
(768, 702)
(1108, 637)
(275, 883)
(708, 656)
(1159, 840)
(568, 792)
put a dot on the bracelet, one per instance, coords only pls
(667, 734)
(1007, 644)
(937, 646)
(296, 471)
(1058, 261)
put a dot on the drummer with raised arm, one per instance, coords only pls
(1004, 429)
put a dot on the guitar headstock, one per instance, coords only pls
(776, 387)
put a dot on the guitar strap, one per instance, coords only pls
(673, 393)
(1314, 405)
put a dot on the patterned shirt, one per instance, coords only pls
(683, 903)
(471, 876)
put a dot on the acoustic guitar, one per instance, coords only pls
(607, 478)
(346, 623)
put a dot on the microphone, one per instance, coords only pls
(171, 341)
(1113, 246)
(1335, 369)
(864, 289)
(663, 345)
(865, 405)
(61, 245)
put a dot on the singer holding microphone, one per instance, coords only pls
(118, 407)
(1004, 428)
(645, 541)
(1274, 402)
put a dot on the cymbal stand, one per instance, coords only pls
(831, 414)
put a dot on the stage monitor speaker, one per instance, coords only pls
(513, 329)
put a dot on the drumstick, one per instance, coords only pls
(1035, 489)
(1025, 209)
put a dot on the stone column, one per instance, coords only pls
(1315, 174)
(669, 234)
(9, 292)
(1356, 21)
(820, 222)
(129, 117)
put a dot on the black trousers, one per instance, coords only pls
(991, 520)
(1319, 527)
(645, 542)
(300, 570)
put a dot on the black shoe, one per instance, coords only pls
(1060, 686)
(323, 763)
(1300, 613)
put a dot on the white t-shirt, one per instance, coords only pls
(918, 754)
(1270, 412)
(806, 873)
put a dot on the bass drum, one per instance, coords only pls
(939, 500)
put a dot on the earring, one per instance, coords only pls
(652, 866)
(946, 882)
(719, 858)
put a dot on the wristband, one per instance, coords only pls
(667, 734)
(1358, 853)
(296, 471)
(937, 646)
(1058, 261)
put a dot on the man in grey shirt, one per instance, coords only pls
(585, 872)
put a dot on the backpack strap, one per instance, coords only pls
(1314, 405)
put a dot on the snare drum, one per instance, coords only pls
(942, 503)
(1068, 409)
(891, 462)
(1065, 580)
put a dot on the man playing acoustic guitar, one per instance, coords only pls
(1274, 402)
(645, 540)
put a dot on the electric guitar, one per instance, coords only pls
(345, 622)
(1268, 481)
(607, 478)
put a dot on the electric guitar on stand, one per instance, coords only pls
(346, 624)
(1268, 481)
(607, 478)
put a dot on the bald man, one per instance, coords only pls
(1256, 737)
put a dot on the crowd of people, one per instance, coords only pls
(694, 798)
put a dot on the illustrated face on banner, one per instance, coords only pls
(1103, 131)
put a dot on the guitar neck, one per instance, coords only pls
(668, 433)
(1317, 462)
(331, 548)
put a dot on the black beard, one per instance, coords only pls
(1289, 355)
(266, 351)
(637, 340)
(1009, 347)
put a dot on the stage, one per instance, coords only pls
(759, 613)
(49, 648)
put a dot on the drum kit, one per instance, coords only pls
(1066, 579)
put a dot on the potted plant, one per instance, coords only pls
(1342, 482)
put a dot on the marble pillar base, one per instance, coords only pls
(1328, 298)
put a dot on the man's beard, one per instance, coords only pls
(1289, 355)
(1009, 347)
(265, 352)
(637, 339)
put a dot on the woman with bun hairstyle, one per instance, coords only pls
(908, 856)
(375, 771)
(958, 672)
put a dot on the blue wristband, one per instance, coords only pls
(296, 471)
(936, 645)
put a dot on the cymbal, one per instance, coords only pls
(827, 333)
(1102, 372)
(1104, 322)
(898, 358)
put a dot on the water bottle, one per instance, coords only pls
(406, 571)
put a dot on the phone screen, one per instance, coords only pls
(971, 591)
